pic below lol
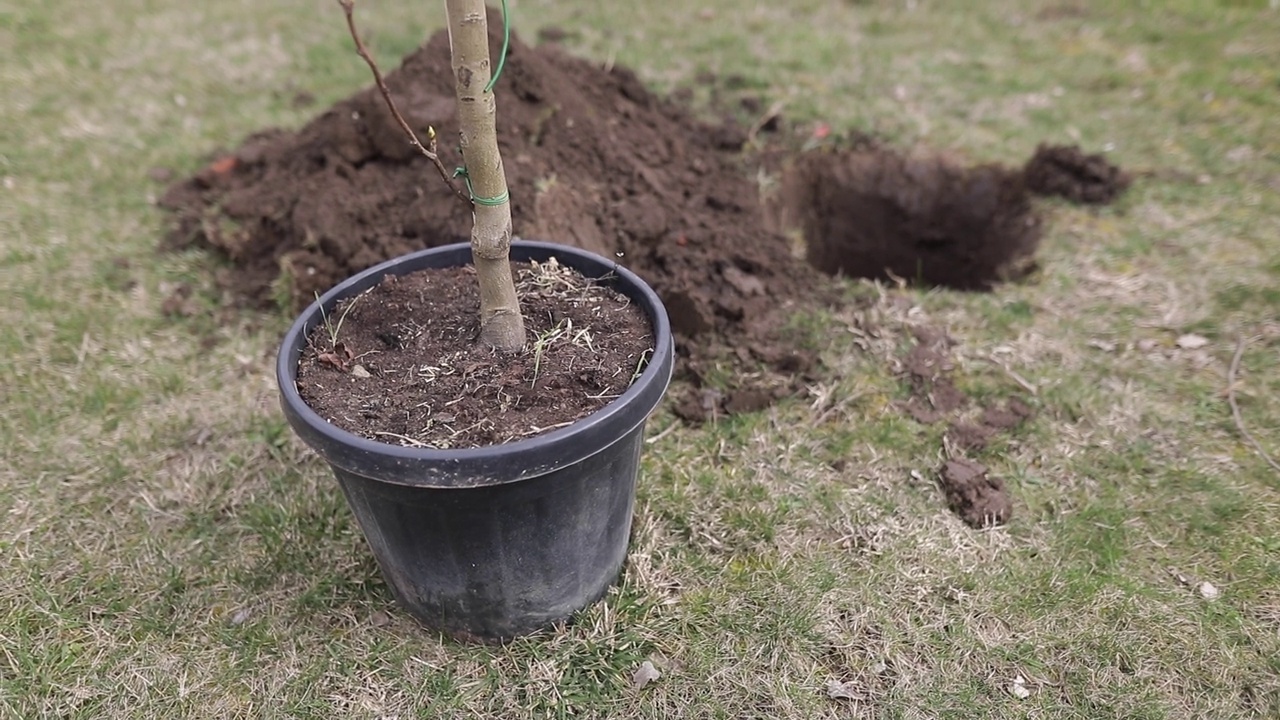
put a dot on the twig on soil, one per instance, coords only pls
(348, 9)
(665, 432)
(406, 439)
(1025, 383)
(1241, 343)
(535, 430)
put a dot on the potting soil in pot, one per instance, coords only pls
(399, 363)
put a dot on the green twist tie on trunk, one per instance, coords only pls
(489, 202)
(502, 59)
(497, 72)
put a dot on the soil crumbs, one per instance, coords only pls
(399, 363)
(978, 498)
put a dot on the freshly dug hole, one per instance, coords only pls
(874, 213)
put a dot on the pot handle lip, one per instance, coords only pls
(496, 464)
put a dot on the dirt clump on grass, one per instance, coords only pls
(978, 497)
(928, 370)
(978, 432)
(399, 362)
(1067, 172)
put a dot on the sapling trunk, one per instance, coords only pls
(501, 324)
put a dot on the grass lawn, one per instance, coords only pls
(167, 549)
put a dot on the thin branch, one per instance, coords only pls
(774, 111)
(1026, 384)
(348, 9)
(404, 438)
(1235, 408)
(665, 432)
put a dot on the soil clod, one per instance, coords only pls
(978, 497)
(928, 370)
(1067, 172)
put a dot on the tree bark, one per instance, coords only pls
(501, 324)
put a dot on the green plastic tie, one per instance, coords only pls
(489, 202)
(502, 59)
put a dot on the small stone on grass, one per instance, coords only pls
(1208, 591)
(1192, 342)
(1018, 688)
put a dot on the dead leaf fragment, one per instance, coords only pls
(223, 165)
(340, 358)
(1183, 579)
(644, 675)
(1104, 345)
(333, 360)
(1191, 341)
(843, 691)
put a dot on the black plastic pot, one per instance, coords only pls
(493, 542)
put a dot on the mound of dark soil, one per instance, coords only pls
(593, 160)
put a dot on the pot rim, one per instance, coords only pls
(473, 467)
